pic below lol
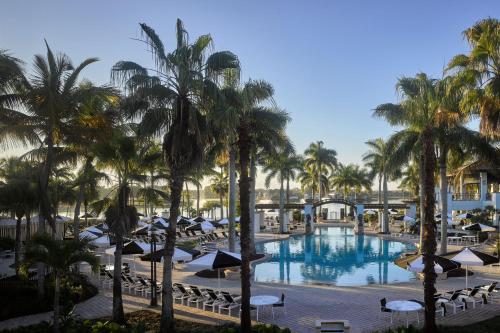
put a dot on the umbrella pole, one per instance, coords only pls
(218, 278)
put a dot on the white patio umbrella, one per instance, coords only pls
(160, 222)
(469, 257)
(94, 230)
(101, 241)
(217, 260)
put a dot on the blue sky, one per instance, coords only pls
(331, 62)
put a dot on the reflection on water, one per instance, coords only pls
(332, 255)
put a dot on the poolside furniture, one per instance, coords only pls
(228, 303)
(383, 308)
(263, 301)
(472, 296)
(212, 301)
(280, 304)
(405, 307)
(490, 291)
(451, 301)
(197, 297)
(456, 239)
(439, 307)
(329, 326)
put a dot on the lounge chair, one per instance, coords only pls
(228, 303)
(193, 234)
(178, 233)
(330, 326)
(472, 296)
(212, 301)
(280, 304)
(451, 301)
(196, 296)
(224, 234)
(490, 291)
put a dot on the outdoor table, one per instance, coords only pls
(404, 306)
(261, 301)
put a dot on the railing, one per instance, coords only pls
(465, 196)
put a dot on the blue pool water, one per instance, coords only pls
(333, 255)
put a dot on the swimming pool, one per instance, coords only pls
(332, 255)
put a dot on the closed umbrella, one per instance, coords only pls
(469, 257)
(479, 227)
(217, 260)
(441, 264)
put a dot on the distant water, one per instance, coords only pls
(335, 256)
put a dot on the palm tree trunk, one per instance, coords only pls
(385, 218)
(28, 225)
(421, 198)
(232, 198)
(221, 202)
(167, 311)
(145, 201)
(17, 254)
(198, 199)
(151, 203)
(429, 242)
(444, 197)
(56, 301)
(253, 176)
(283, 227)
(76, 215)
(244, 146)
(118, 314)
(287, 190)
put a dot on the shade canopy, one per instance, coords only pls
(407, 218)
(479, 227)
(198, 219)
(128, 249)
(471, 257)
(441, 264)
(94, 230)
(141, 231)
(217, 259)
(179, 255)
(160, 222)
(103, 241)
(183, 221)
(205, 226)
(85, 234)
(223, 221)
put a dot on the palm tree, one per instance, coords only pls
(219, 186)
(18, 195)
(39, 110)
(378, 160)
(350, 177)
(282, 166)
(418, 112)
(118, 155)
(174, 103)
(479, 71)
(320, 158)
(308, 180)
(59, 255)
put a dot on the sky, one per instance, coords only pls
(330, 62)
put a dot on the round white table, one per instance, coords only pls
(261, 301)
(404, 306)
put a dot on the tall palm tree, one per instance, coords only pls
(59, 255)
(308, 180)
(219, 185)
(319, 158)
(18, 196)
(479, 71)
(418, 111)
(282, 166)
(118, 156)
(378, 160)
(39, 110)
(174, 103)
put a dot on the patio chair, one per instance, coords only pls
(181, 293)
(280, 304)
(451, 301)
(228, 303)
(330, 326)
(383, 309)
(490, 291)
(196, 296)
(472, 296)
(212, 301)
(146, 283)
